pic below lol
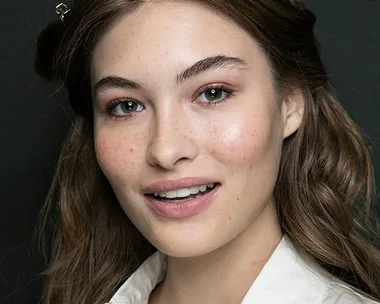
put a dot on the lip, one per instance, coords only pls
(170, 184)
(182, 209)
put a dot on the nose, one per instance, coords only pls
(171, 142)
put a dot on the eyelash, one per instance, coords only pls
(229, 92)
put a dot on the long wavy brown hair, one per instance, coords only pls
(324, 189)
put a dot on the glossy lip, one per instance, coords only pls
(177, 209)
(170, 184)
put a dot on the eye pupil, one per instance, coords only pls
(213, 94)
(129, 106)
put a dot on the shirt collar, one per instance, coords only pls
(138, 287)
(285, 278)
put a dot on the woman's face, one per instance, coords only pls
(184, 98)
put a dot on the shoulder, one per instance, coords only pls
(339, 293)
(296, 279)
(290, 278)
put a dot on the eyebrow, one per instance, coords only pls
(111, 82)
(207, 64)
(210, 63)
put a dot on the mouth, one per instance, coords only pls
(184, 194)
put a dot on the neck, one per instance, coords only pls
(226, 274)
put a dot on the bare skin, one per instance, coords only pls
(175, 129)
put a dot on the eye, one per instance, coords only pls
(213, 95)
(123, 108)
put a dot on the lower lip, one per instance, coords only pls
(180, 210)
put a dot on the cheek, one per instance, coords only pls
(241, 143)
(117, 153)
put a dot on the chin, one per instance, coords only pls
(189, 251)
(185, 245)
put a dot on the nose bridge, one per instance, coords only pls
(170, 139)
(168, 120)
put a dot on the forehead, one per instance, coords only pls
(167, 34)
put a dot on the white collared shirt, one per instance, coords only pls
(285, 279)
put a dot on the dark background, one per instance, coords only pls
(33, 120)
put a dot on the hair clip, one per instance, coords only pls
(61, 10)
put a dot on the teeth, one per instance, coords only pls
(180, 193)
(194, 190)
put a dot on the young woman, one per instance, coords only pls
(208, 161)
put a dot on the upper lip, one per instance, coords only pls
(171, 184)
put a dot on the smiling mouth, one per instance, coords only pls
(183, 195)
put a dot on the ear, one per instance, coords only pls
(293, 108)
